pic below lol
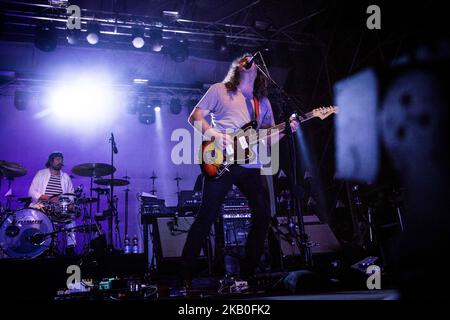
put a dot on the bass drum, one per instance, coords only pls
(18, 229)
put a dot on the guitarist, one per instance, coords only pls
(239, 99)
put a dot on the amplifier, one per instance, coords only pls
(150, 207)
(236, 206)
(189, 201)
(235, 231)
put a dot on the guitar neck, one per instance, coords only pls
(281, 126)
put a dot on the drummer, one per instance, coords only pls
(48, 184)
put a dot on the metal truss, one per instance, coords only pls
(21, 17)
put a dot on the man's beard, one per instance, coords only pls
(57, 167)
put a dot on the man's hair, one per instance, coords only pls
(52, 156)
(233, 77)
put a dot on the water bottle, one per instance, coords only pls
(135, 244)
(126, 246)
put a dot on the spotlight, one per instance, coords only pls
(138, 38)
(175, 106)
(156, 40)
(22, 100)
(93, 33)
(73, 36)
(220, 43)
(156, 103)
(157, 109)
(179, 50)
(146, 114)
(45, 37)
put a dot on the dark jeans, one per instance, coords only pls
(254, 187)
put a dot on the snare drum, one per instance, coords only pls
(19, 233)
(65, 210)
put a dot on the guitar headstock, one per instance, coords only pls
(324, 112)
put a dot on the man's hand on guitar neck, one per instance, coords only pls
(293, 123)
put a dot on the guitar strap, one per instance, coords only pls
(256, 108)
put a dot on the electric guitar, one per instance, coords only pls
(215, 162)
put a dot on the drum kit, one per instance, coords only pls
(30, 232)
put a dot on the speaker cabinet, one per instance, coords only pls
(321, 238)
(171, 236)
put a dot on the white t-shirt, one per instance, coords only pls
(232, 110)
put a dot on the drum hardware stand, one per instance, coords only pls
(178, 179)
(9, 197)
(296, 210)
(153, 177)
(127, 190)
(117, 223)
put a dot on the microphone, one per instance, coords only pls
(248, 64)
(114, 144)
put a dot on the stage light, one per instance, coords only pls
(146, 114)
(175, 106)
(45, 37)
(157, 109)
(156, 40)
(93, 33)
(22, 99)
(73, 36)
(156, 103)
(220, 43)
(140, 81)
(84, 103)
(138, 38)
(179, 50)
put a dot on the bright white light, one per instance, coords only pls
(138, 42)
(92, 38)
(157, 109)
(85, 104)
(140, 81)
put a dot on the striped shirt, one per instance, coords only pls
(54, 185)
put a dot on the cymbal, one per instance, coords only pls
(93, 170)
(11, 169)
(100, 190)
(115, 182)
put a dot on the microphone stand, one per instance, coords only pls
(295, 209)
(112, 206)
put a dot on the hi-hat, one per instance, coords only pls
(93, 170)
(11, 169)
(113, 182)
